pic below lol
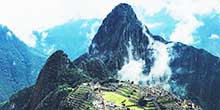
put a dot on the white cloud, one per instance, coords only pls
(44, 35)
(132, 69)
(160, 72)
(184, 30)
(214, 36)
(23, 16)
(84, 25)
(184, 12)
(92, 32)
(153, 25)
(149, 7)
(9, 34)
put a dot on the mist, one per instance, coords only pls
(132, 69)
(160, 72)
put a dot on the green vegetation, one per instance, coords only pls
(117, 98)
(128, 92)
(79, 99)
(128, 96)
(65, 87)
(167, 102)
(136, 108)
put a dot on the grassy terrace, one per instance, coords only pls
(167, 102)
(129, 96)
(77, 98)
(117, 98)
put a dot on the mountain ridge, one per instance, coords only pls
(19, 64)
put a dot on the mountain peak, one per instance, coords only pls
(47, 80)
(123, 10)
(122, 13)
(55, 65)
(120, 27)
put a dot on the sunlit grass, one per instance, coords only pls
(117, 98)
(136, 108)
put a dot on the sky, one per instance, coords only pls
(175, 20)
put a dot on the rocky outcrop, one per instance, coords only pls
(48, 77)
(119, 28)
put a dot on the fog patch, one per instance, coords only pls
(178, 89)
(132, 69)
(93, 30)
(160, 72)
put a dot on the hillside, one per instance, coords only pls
(19, 64)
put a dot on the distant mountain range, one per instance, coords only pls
(74, 37)
(19, 64)
(124, 49)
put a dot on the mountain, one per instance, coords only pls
(57, 73)
(63, 86)
(19, 64)
(123, 49)
(73, 37)
(194, 71)
(198, 71)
